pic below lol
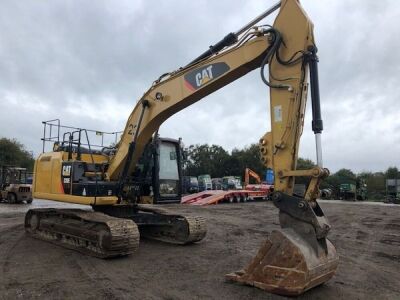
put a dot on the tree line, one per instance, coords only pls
(13, 153)
(216, 161)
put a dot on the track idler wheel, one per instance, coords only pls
(286, 265)
(31, 222)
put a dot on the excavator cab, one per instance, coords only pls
(168, 174)
(160, 169)
(156, 179)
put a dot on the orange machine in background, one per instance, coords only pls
(259, 186)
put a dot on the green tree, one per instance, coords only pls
(392, 173)
(248, 157)
(375, 184)
(335, 180)
(216, 161)
(345, 176)
(14, 153)
(205, 159)
(305, 164)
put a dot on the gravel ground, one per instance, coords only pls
(366, 235)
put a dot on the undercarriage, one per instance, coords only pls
(111, 231)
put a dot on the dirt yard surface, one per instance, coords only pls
(367, 238)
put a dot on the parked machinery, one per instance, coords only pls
(353, 191)
(15, 185)
(326, 193)
(250, 173)
(228, 183)
(259, 185)
(393, 191)
(216, 183)
(190, 185)
(205, 183)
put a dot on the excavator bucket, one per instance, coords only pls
(296, 258)
(286, 265)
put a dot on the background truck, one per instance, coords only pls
(205, 183)
(393, 190)
(190, 185)
(351, 191)
(216, 183)
(347, 191)
(14, 186)
(231, 183)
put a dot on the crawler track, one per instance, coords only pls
(180, 230)
(92, 233)
(160, 224)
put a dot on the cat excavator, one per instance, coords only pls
(114, 183)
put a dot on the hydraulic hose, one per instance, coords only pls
(277, 41)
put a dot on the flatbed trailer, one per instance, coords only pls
(219, 196)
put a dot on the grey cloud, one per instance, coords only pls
(87, 62)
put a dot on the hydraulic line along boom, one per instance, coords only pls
(231, 38)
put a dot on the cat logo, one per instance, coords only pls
(66, 171)
(204, 76)
(199, 77)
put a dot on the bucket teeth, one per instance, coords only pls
(287, 265)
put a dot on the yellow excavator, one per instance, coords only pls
(116, 183)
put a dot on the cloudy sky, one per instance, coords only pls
(87, 63)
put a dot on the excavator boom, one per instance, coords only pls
(181, 89)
